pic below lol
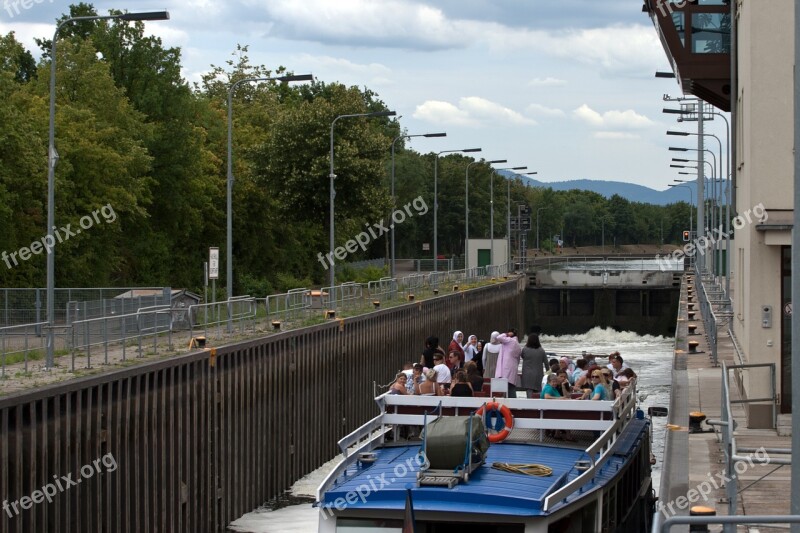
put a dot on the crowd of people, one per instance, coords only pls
(461, 368)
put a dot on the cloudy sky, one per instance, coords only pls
(565, 87)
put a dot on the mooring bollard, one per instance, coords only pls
(693, 346)
(700, 510)
(376, 303)
(276, 324)
(330, 313)
(692, 328)
(691, 315)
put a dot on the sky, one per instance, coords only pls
(564, 87)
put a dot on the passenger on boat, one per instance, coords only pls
(443, 378)
(408, 370)
(461, 387)
(417, 377)
(429, 387)
(553, 367)
(586, 377)
(474, 377)
(399, 385)
(454, 363)
(534, 362)
(615, 363)
(579, 372)
(431, 347)
(479, 355)
(566, 364)
(599, 392)
(490, 353)
(455, 346)
(551, 389)
(471, 348)
(508, 360)
(625, 377)
(563, 383)
(612, 386)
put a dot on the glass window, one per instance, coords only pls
(711, 33)
(678, 19)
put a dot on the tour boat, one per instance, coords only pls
(493, 464)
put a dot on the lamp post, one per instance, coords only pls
(466, 207)
(231, 90)
(394, 200)
(436, 201)
(491, 212)
(332, 176)
(701, 187)
(52, 160)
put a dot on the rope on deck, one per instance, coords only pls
(529, 469)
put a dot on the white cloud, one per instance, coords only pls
(344, 70)
(628, 119)
(470, 111)
(547, 82)
(538, 109)
(443, 113)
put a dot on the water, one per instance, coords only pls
(650, 357)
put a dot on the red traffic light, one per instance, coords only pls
(686, 236)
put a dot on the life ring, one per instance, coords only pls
(504, 426)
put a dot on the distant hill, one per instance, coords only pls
(629, 191)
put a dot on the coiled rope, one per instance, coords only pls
(530, 469)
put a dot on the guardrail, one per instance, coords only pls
(25, 340)
(241, 310)
(728, 427)
(709, 318)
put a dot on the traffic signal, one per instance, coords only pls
(686, 236)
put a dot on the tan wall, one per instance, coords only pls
(765, 169)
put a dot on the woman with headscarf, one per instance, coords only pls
(470, 349)
(508, 360)
(455, 346)
(491, 351)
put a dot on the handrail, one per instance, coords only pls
(622, 411)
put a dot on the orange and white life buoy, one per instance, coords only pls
(491, 409)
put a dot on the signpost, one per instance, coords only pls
(213, 271)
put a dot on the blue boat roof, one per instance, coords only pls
(382, 485)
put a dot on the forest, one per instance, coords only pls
(134, 137)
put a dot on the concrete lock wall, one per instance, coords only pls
(199, 440)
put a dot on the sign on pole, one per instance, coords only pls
(213, 263)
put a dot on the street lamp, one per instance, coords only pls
(331, 276)
(466, 207)
(394, 200)
(436, 201)
(491, 212)
(52, 160)
(229, 260)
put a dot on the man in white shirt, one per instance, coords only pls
(442, 372)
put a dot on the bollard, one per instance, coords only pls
(455, 288)
(692, 328)
(376, 303)
(435, 291)
(691, 315)
(411, 297)
(693, 346)
(700, 510)
(276, 324)
(690, 307)
(689, 298)
(330, 313)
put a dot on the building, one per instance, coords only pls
(739, 57)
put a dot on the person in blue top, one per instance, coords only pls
(550, 390)
(599, 382)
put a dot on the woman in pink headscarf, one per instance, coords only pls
(508, 360)
(455, 346)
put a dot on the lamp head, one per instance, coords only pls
(441, 134)
(677, 149)
(679, 133)
(381, 114)
(495, 161)
(472, 150)
(147, 15)
(296, 77)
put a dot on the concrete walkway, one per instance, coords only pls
(696, 460)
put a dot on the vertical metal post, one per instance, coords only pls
(701, 196)
(795, 365)
(435, 212)
(491, 219)
(508, 220)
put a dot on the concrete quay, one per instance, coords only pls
(696, 460)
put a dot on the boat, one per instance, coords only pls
(493, 464)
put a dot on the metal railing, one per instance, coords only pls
(727, 425)
(709, 318)
(241, 310)
(25, 339)
(108, 331)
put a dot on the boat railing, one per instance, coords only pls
(623, 410)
